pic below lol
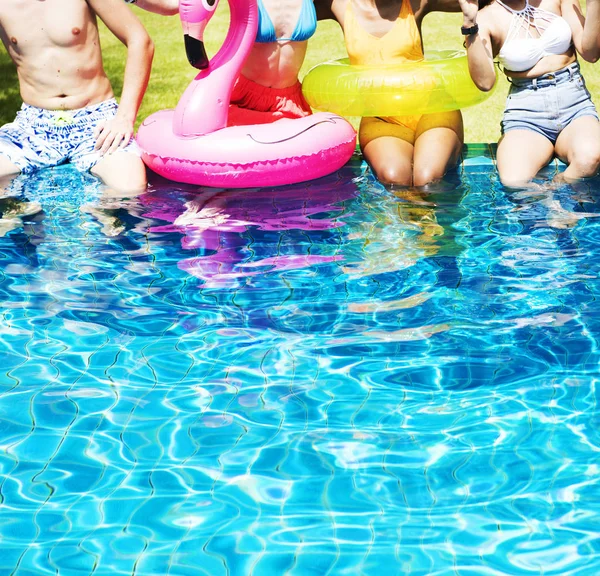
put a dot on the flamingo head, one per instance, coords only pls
(195, 15)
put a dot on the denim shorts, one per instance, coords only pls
(549, 103)
(39, 138)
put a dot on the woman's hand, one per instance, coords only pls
(469, 8)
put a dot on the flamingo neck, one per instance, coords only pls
(204, 105)
(240, 36)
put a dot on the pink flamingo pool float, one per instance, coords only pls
(193, 143)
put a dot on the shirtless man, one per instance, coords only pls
(69, 111)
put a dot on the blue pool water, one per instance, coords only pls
(326, 379)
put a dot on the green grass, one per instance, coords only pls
(171, 72)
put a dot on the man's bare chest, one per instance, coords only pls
(28, 25)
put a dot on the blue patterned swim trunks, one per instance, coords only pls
(40, 138)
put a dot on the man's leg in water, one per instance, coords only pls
(109, 207)
(120, 168)
(8, 170)
(123, 171)
(12, 208)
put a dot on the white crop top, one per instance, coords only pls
(522, 49)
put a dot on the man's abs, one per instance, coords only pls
(56, 48)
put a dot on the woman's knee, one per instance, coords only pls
(586, 161)
(389, 168)
(394, 174)
(515, 178)
(424, 175)
(428, 170)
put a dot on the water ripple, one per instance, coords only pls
(332, 378)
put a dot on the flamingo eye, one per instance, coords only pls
(210, 5)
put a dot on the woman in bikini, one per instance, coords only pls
(549, 110)
(268, 88)
(402, 150)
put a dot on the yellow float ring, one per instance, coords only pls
(439, 83)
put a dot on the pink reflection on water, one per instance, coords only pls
(212, 267)
(215, 221)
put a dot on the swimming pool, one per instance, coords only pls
(326, 379)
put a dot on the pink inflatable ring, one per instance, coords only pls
(193, 144)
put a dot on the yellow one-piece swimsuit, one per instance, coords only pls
(402, 43)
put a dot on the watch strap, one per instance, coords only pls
(469, 30)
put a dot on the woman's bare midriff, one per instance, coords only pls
(546, 65)
(276, 64)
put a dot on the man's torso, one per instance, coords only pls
(56, 48)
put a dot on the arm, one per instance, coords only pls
(591, 32)
(441, 6)
(324, 10)
(140, 50)
(586, 31)
(163, 7)
(479, 48)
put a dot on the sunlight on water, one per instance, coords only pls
(326, 379)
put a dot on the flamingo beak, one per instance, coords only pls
(193, 35)
(196, 53)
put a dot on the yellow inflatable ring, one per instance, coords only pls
(439, 83)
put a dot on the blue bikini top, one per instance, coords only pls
(305, 27)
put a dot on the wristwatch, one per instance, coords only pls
(469, 31)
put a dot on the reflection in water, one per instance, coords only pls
(562, 202)
(232, 228)
(225, 226)
(14, 212)
(61, 191)
(414, 224)
(367, 381)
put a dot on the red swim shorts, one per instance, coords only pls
(252, 103)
